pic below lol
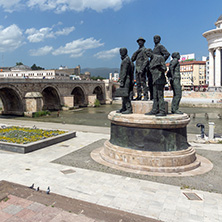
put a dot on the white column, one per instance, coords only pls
(218, 67)
(211, 67)
(211, 131)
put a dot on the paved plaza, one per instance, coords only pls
(158, 201)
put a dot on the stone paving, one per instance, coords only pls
(19, 209)
(150, 199)
(25, 204)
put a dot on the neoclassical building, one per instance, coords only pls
(214, 38)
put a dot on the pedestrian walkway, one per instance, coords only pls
(19, 209)
(25, 204)
(144, 198)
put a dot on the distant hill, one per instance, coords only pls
(103, 71)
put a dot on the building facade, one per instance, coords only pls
(35, 74)
(114, 77)
(25, 72)
(206, 59)
(77, 70)
(193, 75)
(214, 39)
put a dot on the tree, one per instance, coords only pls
(19, 63)
(97, 77)
(34, 67)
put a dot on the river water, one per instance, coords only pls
(98, 117)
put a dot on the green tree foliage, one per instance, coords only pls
(41, 113)
(19, 63)
(97, 77)
(35, 67)
(97, 103)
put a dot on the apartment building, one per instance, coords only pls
(193, 74)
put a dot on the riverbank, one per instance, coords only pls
(97, 117)
(197, 102)
(197, 99)
(189, 102)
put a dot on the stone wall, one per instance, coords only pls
(193, 94)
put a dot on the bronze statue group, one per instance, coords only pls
(150, 65)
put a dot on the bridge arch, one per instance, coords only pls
(99, 93)
(78, 96)
(12, 101)
(51, 98)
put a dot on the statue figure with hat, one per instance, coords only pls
(140, 58)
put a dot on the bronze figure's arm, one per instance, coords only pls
(172, 67)
(145, 64)
(164, 52)
(135, 54)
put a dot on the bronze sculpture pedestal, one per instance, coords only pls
(150, 143)
(147, 144)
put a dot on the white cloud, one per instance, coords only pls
(11, 38)
(65, 31)
(11, 5)
(41, 51)
(43, 4)
(35, 35)
(60, 6)
(58, 24)
(109, 54)
(78, 47)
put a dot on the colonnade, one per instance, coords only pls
(215, 75)
(214, 39)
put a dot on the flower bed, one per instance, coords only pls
(24, 140)
(22, 135)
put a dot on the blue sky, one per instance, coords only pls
(89, 33)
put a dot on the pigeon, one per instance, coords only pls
(37, 189)
(31, 187)
(48, 190)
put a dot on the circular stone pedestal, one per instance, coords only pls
(167, 162)
(149, 143)
(148, 132)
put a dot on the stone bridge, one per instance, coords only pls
(25, 96)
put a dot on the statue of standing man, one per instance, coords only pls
(140, 58)
(160, 49)
(157, 68)
(174, 77)
(126, 81)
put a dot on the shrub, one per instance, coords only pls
(41, 113)
(97, 103)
